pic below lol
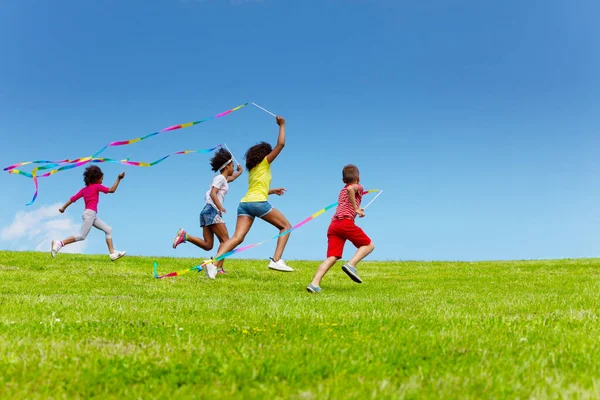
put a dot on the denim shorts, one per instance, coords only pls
(210, 216)
(254, 209)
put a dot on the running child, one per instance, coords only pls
(211, 217)
(342, 228)
(255, 203)
(92, 177)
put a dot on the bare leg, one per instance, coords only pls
(278, 220)
(69, 240)
(220, 230)
(109, 243)
(323, 268)
(207, 243)
(361, 253)
(242, 227)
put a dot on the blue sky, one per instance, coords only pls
(478, 119)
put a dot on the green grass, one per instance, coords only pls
(81, 326)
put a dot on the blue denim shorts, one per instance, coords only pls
(254, 209)
(210, 216)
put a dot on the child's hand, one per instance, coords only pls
(360, 212)
(62, 210)
(222, 211)
(121, 175)
(239, 168)
(280, 121)
(279, 191)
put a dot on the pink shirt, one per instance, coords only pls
(90, 195)
(344, 209)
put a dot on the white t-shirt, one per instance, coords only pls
(220, 182)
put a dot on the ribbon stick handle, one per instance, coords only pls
(264, 109)
(374, 198)
(230, 152)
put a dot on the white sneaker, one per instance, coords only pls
(116, 255)
(210, 269)
(279, 266)
(55, 247)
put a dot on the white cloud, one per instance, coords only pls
(35, 230)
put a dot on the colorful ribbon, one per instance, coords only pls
(240, 249)
(82, 161)
(170, 128)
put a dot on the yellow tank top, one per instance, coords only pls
(259, 182)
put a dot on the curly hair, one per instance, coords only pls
(256, 154)
(92, 175)
(220, 158)
(350, 173)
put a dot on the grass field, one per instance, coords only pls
(81, 326)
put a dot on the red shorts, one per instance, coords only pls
(341, 230)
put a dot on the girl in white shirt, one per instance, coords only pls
(211, 217)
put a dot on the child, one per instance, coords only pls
(211, 219)
(92, 177)
(255, 203)
(342, 228)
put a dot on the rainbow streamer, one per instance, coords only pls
(78, 162)
(168, 129)
(82, 161)
(176, 273)
(240, 249)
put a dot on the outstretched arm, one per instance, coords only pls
(235, 174)
(116, 184)
(280, 141)
(67, 204)
(278, 191)
(352, 197)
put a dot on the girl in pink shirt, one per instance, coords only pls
(92, 177)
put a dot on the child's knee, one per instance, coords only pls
(108, 232)
(371, 246)
(237, 239)
(284, 226)
(78, 238)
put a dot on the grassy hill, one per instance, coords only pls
(82, 326)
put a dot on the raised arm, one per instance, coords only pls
(116, 184)
(280, 141)
(235, 174)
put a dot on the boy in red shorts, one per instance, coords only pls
(342, 228)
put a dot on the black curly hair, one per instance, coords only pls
(92, 175)
(219, 159)
(256, 154)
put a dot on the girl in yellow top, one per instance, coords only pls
(255, 203)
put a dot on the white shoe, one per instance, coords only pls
(116, 255)
(210, 269)
(55, 247)
(279, 266)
